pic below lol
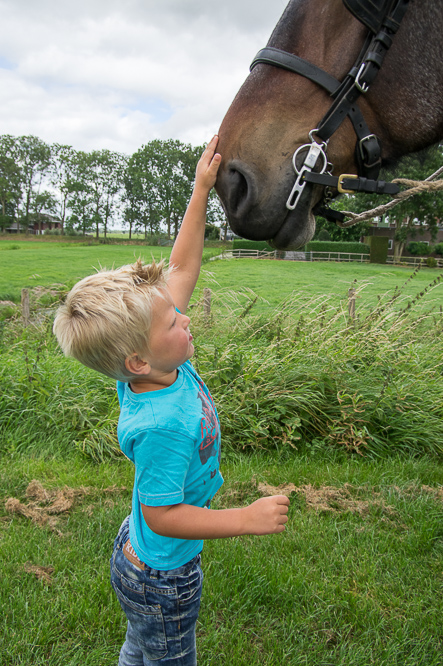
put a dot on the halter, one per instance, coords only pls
(382, 18)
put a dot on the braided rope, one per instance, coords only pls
(416, 187)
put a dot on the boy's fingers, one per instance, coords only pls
(211, 145)
(282, 499)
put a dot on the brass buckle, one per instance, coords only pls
(341, 178)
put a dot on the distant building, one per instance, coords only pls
(35, 227)
(419, 233)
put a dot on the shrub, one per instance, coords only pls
(243, 244)
(338, 246)
(438, 249)
(323, 235)
(418, 248)
(431, 262)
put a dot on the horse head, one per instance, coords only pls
(275, 111)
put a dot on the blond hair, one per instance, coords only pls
(107, 317)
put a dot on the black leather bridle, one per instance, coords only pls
(382, 18)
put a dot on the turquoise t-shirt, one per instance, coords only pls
(173, 438)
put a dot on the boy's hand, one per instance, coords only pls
(207, 167)
(267, 515)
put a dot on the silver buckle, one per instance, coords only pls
(362, 87)
(315, 151)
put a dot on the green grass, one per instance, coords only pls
(351, 412)
(275, 281)
(338, 587)
(44, 263)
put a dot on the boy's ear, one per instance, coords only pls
(136, 365)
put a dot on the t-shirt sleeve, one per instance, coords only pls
(162, 459)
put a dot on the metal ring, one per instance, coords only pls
(308, 146)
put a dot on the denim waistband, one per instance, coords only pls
(123, 537)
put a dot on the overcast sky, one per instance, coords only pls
(117, 73)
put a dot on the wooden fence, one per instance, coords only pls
(414, 261)
(254, 254)
(315, 255)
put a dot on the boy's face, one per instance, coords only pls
(170, 339)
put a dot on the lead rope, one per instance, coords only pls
(416, 187)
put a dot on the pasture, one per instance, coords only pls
(345, 416)
(31, 264)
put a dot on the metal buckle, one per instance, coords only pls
(362, 87)
(315, 151)
(341, 178)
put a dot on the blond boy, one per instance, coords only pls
(131, 324)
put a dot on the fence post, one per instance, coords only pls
(207, 303)
(351, 303)
(25, 307)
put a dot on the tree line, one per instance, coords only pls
(89, 192)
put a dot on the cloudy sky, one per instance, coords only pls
(117, 73)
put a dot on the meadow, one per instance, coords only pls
(344, 415)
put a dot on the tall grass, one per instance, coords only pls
(304, 377)
(310, 377)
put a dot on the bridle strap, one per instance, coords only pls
(297, 65)
(345, 95)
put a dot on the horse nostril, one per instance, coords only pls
(238, 190)
(241, 191)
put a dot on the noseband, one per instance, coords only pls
(382, 18)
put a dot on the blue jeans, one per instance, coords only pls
(161, 607)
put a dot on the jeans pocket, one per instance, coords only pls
(146, 621)
(189, 587)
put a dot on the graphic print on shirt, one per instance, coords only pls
(209, 428)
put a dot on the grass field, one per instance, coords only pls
(33, 264)
(356, 579)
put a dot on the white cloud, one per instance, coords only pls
(107, 74)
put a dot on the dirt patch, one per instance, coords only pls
(328, 498)
(44, 506)
(42, 573)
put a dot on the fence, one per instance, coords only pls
(254, 254)
(314, 255)
(414, 261)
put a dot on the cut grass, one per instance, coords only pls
(337, 587)
(44, 263)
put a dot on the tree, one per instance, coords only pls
(10, 179)
(105, 174)
(158, 183)
(80, 195)
(61, 177)
(43, 202)
(142, 208)
(34, 159)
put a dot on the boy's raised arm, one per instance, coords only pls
(187, 252)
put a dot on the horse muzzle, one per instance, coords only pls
(256, 207)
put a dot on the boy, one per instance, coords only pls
(130, 324)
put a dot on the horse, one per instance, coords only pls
(332, 69)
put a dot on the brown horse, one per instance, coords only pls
(276, 109)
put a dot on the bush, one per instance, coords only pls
(438, 249)
(431, 262)
(323, 235)
(418, 248)
(337, 246)
(243, 244)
